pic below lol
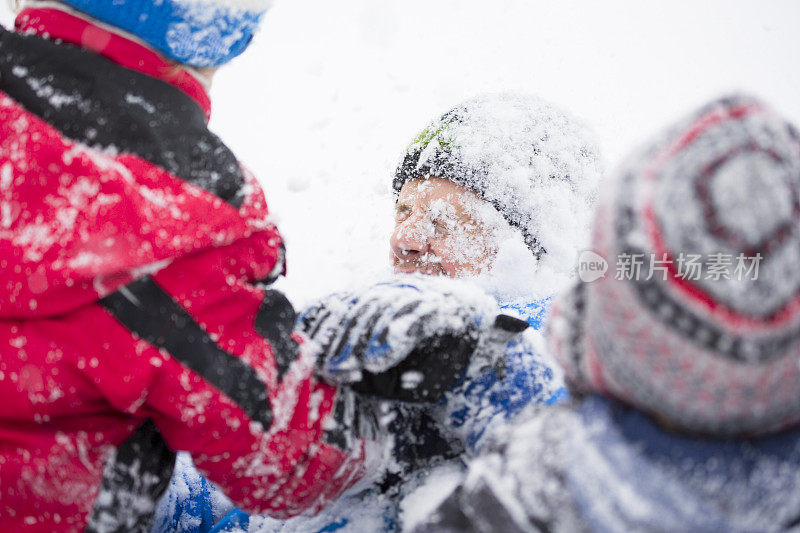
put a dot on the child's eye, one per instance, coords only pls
(441, 228)
(401, 214)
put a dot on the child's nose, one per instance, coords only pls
(409, 238)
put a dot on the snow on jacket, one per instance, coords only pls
(474, 411)
(134, 320)
(193, 505)
(599, 465)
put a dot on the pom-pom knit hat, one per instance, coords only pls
(697, 320)
(200, 33)
(538, 166)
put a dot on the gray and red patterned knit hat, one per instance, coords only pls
(697, 320)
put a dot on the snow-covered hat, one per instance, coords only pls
(200, 33)
(538, 166)
(697, 320)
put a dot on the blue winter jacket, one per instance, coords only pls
(596, 465)
(626, 473)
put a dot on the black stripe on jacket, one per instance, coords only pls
(149, 311)
(133, 481)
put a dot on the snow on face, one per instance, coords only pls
(442, 228)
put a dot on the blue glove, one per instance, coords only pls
(525, 377)
(410, 339)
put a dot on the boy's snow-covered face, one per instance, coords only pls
(442, 228)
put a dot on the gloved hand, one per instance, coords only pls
(410, 339)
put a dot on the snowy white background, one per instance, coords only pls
(330, 94)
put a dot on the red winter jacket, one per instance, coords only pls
(134, 321)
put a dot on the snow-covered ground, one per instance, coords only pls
(331, 93)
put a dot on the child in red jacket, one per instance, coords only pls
(135, 321)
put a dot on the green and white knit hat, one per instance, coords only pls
(538, 166)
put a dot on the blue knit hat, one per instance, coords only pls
(200, 33)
